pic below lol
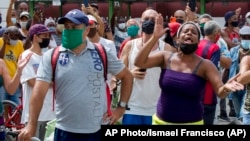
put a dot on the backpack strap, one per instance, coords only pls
(54, 58)
(102, 53)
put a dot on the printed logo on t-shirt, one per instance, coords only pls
(63, 59)
(35, 67)
(96, 60)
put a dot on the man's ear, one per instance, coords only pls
(87, 30)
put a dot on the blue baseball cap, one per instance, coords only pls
(76, 16)
(228, 15)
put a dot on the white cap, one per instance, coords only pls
(247, 15)
(92, 18)
(25, 13)
(245, 30)
(49, 20)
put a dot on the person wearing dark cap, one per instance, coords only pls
(40, 37)
(231, 31)
(79, 84)
(106, 32)
(231, 36)
(237, 53)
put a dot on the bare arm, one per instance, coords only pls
(225, 62)
(125, 52)
(2, 46)
(213, 76)
(11, 85)
(9, 13)
(31, 82)
(244, 78)
(89, 10)
(126, 88)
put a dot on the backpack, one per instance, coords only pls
(102, 53)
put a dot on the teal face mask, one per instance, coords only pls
(133, 30)
(72, 38)
(245, 44)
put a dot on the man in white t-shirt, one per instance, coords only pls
(40, 36)
(94, 37)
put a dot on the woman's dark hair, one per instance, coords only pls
(168, 39)
(189, 22)
(28, 24)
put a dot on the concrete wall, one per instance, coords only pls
(3, 9)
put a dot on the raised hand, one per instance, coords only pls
(159, 29)
(23, 61)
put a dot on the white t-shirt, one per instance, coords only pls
(29, 72)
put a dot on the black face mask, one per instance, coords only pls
(148, 26)
(181, 21)
(235, 24)
(44, 43)
(188, 48)
(92, 32)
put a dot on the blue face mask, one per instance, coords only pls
(52, 28)
(245, 44)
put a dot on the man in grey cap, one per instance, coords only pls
(81, 102)
(237, 53)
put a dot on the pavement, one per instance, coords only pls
(218, 121)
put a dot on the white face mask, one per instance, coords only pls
(122, 25)
(13, 42)
(60, 27)
(13, 20)
(248, 20)
(23, 25)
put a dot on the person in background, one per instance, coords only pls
(180, 16)
(237, 53)
(40, 37)
(106, 32)
(118, 26)
(224, 62)
(132, 31)
(51, 25)
(58, 35)
(230, 34)
(10, 50)
(79, 60)
(173, 28)
(247, 19)
(21, 7)
(23, 21)
(146, 91)
(231, 31)
(183, 76)
(208, 49)
(10, 85)
(13, 15)
(245, 79)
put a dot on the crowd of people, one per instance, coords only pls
(165, 72)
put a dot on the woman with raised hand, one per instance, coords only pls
(183, 76)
